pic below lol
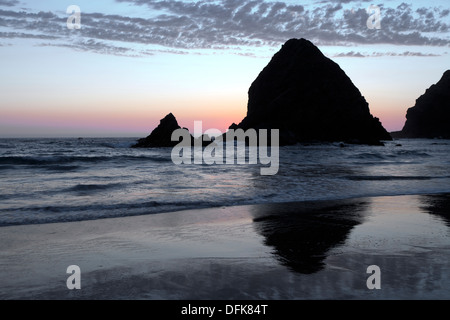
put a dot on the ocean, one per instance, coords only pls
(70, 179)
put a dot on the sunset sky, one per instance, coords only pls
(134, 61)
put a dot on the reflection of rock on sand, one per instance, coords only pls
(437, 205)
(303, 233)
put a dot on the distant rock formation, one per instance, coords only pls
(309, 98)
(430, 117)
(162, 135)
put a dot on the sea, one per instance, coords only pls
(74, 179)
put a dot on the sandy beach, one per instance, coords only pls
(290, 251)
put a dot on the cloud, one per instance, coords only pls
(353, 54)
(224, 24)
(8, 3)
(444, 13)
(411, 54)
(231, 22)
(341, 1)
(93, 46)
(12, 35)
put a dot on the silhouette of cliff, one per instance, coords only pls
(430, 117)
(309, 98)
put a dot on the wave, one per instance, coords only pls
(57, 214)
(439, 144)
(397, 154)
(27, 160)
(389, 178)
(61, 168)
(368, 155)
(93, 187)
(61, 214)
(54, 160)
(116, 145)
(410, 153)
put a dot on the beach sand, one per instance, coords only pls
(307, 250)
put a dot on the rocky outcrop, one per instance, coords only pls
(430, 117)
(309, 98)
(162, 135)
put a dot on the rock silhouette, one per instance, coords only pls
(430, 117)
(162, 135)
(308, 97)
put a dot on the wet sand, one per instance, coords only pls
(307, 250)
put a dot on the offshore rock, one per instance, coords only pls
(309, 98)
(162, 135)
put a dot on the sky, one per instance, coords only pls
(132, 62)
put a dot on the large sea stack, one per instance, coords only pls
(430, 117)
(309, 98)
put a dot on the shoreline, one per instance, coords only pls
(330, 200)
(303, 250)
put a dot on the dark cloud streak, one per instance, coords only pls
(8, 3)
(353, 54)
